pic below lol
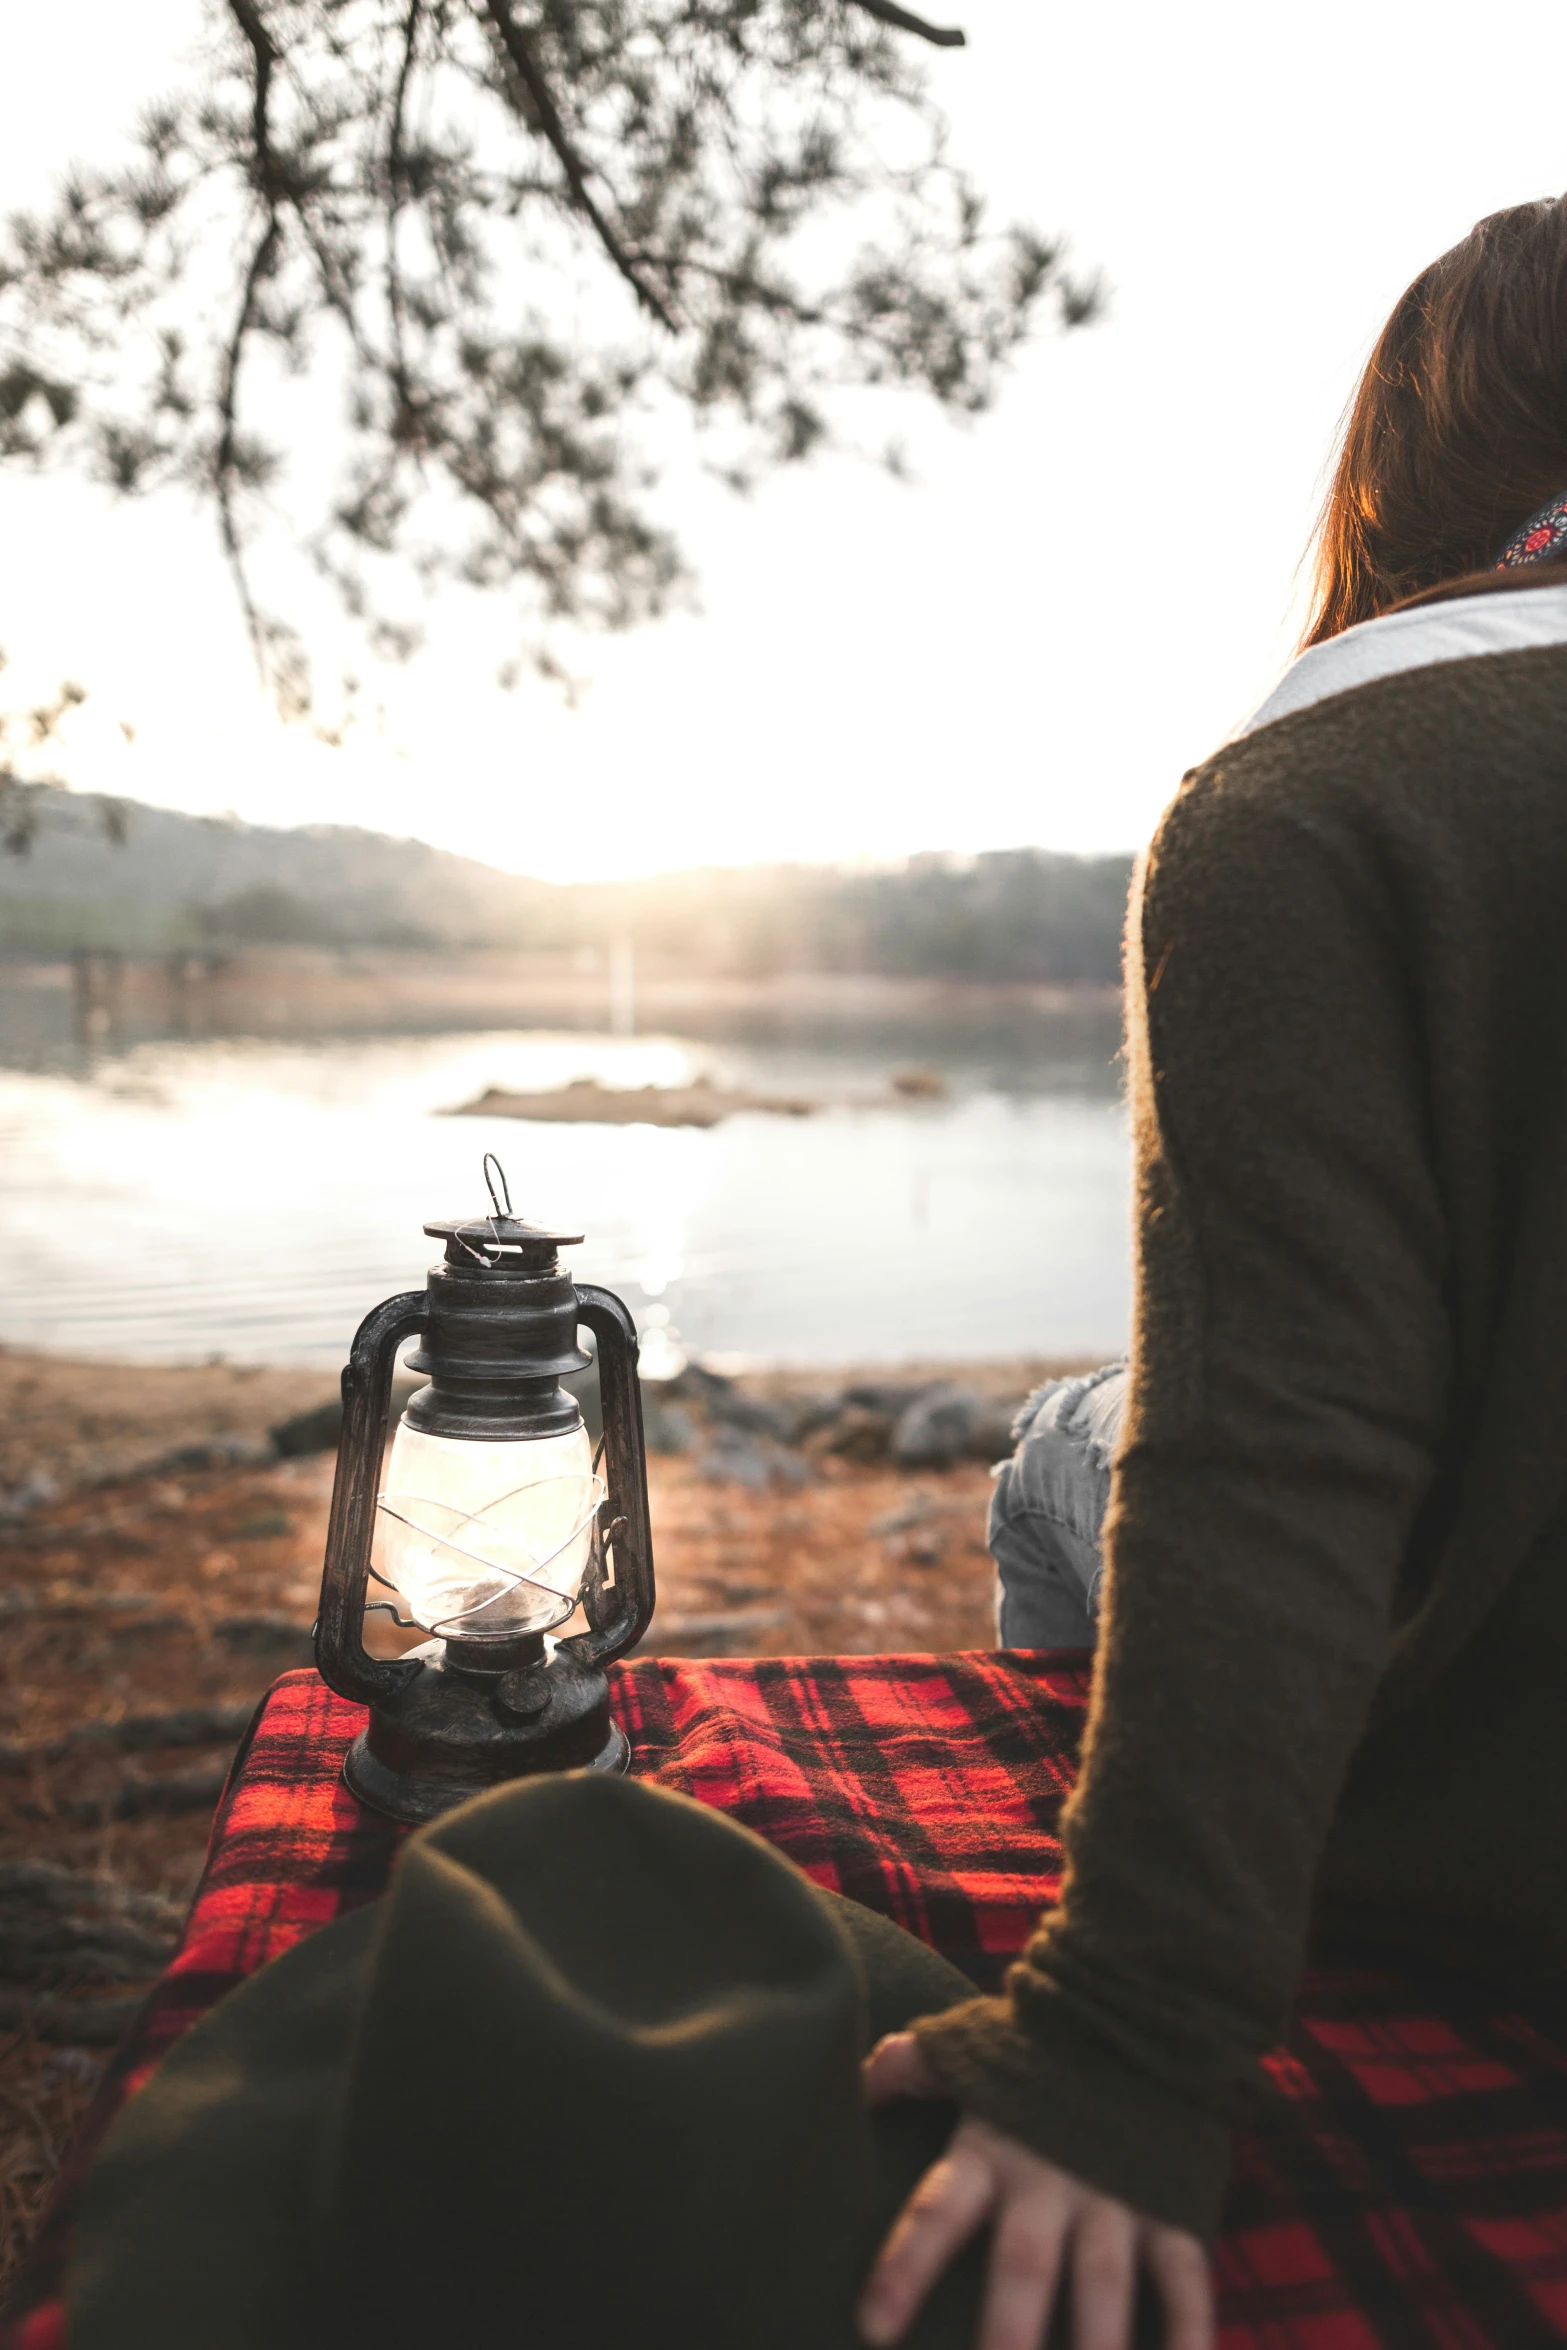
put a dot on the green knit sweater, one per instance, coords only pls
(1332, 1684)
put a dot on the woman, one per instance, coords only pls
(1331, 1688)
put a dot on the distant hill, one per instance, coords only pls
(199, 881)
(191, 880)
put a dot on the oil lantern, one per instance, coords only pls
(498, 1520)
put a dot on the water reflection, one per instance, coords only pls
(182, 1197)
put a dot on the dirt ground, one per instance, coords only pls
(67, 1422)
(143, 1617)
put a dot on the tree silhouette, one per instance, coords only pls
(27, 790)
(503, 244)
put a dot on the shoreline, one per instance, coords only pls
(108, 1001)
(72, 1421)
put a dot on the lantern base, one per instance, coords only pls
(460, 1727)
(398, 1795)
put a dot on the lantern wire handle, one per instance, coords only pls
(490, 1160)
(477, 1254)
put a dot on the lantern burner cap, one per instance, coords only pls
(487, 1240)
(481, 1239)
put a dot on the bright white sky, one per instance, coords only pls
(1081, 596)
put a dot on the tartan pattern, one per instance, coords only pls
(926, 1787)
(1405, 2188)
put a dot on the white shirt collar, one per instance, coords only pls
(1462, 630)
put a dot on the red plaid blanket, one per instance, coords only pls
(1406, 2188)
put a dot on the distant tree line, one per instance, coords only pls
(1014, 914)
(269, 915)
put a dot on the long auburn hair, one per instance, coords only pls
(1458, 431)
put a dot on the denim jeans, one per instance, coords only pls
(1048, 1509)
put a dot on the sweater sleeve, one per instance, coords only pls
(1290, 1357)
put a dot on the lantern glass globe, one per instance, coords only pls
(488, 1540)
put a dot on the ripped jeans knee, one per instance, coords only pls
(1048, 1510)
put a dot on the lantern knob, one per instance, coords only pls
(524, 1695)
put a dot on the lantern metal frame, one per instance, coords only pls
(498, 1319)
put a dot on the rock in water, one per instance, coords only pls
(586, 1102)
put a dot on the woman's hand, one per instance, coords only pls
(1048, 2225)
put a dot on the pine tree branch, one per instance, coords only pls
(264, 55)
(366, 232)
(515, 43)
(396, 188)
(901, 21)
(744, 285)
(224, 464)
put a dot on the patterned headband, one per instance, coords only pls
(1542, 536)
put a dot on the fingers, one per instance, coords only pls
(1179, 2267)
(1104, 2276)
(896, 2067)
(1039, 2212)
(950, 2202)
(1025, 2267)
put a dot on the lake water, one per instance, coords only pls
(186, 1198)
